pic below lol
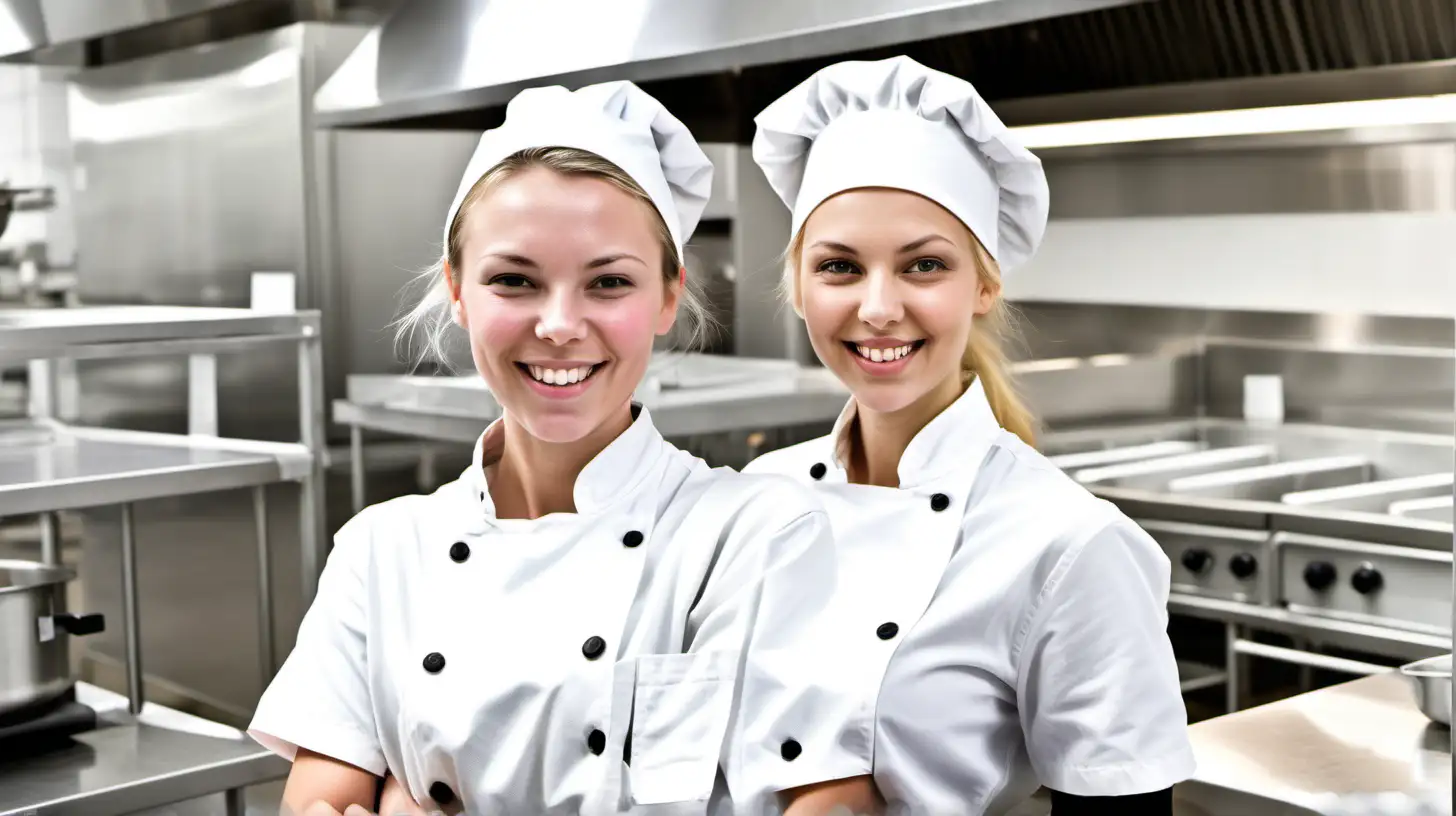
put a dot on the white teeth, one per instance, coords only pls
(560, 376)
(876, 355)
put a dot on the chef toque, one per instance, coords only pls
(896, 123)
(617, 121)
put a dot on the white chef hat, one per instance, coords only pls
(617, 121)
(896, 123)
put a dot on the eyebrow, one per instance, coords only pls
(595, 263)
(607, 260)
(910, 247)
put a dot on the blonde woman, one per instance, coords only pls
(588, 620)
(1013, 624)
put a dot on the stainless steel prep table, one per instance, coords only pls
(686, 393)
(1363, 737)
(157, 758)
(146, 758)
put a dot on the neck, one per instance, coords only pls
(878, 439)
(534, 478)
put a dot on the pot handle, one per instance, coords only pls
(81, 624)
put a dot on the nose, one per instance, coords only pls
(881, 306)
(561, 320)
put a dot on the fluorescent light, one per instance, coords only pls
(1415, 110)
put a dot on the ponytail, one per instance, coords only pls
(985, 355)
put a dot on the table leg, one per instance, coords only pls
(265, 585)
(131, 621)
(356, 466)
(1231, 668)
(237, 802)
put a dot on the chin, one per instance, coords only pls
(886, 398)
(559, 427)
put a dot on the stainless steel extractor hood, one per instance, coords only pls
(30, 25)
(438, 57)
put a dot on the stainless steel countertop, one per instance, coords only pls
(1357, 738)
(27, 333)
(758, 394)
(46, 467)
(161, 757)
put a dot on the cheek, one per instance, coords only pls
(497, 324)
(946, 312)
(628, 323)
(827, 308)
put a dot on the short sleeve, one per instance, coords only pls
(320, 698)
(1098, 690)
(801, 715)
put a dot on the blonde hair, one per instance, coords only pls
(430, 316)
(985, 354)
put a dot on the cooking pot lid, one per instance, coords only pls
(20, 575)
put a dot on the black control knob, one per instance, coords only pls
(1243, 565)
(1320, 575)
(1367, 579)
(1197, 561)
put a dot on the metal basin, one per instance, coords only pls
(1270, 482)
(1430, 508)
(1157, 474)
(1373, 497)
(1122, 454)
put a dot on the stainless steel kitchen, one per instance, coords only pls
(1239, 331)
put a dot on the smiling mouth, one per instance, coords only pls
(884, 355)
(560, 377)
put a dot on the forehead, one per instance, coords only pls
(871, 215)
(551, 210)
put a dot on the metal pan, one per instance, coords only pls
(1430, 682)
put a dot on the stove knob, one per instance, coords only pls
(1367, 579)
(1197, 561)
(1319, 575)
(1243, 565)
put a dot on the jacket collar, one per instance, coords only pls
(610, 478)
(957, 439)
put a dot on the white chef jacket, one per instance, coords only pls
(1013, 625)
(496, 666)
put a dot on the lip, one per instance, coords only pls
(560, 392)
(883, 369)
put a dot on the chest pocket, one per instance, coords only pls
(680, 712)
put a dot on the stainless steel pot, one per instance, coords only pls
(35, 664)
(1430, 682)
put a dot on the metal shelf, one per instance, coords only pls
(50, 467)
(150, 756)
(157, 758)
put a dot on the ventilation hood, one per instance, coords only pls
(431, 60)
(31, 25)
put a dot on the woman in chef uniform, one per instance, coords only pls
(588, 620)
(1013, 625)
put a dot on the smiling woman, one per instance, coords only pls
(1027, 617)
(588, 620)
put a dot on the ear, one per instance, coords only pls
(671, 297)
(457, 309)
(985, 296)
